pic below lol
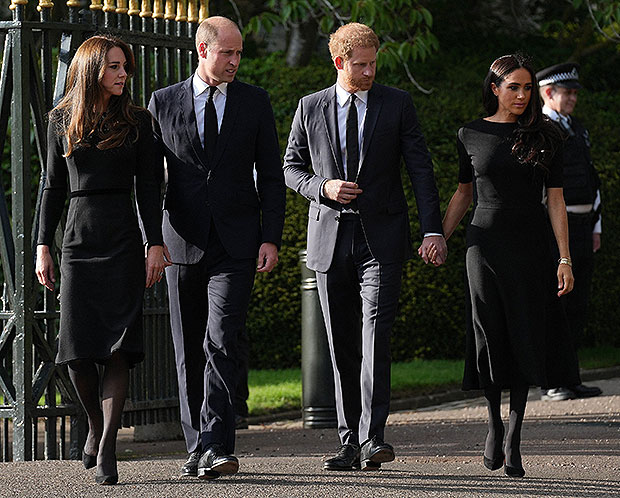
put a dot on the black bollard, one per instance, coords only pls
(317, 378)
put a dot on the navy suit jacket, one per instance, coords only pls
(391, 134)
(246, 212)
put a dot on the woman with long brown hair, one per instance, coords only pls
(99, 145)
(515, 327)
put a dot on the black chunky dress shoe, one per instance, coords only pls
(347, 458)
(190, 468)
(374, 452)
(214, 462)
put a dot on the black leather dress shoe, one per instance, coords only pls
(582, 391)
(190, 468)
(214, 462)
(557, 394)
(347, 458)
(375, 451)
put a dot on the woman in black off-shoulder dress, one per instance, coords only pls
(516, 331)
(99, 146)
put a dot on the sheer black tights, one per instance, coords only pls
(493, 444)
(104, 417)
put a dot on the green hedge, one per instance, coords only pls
(430, 322)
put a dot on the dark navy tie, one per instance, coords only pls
(353, 151)
(210, 126)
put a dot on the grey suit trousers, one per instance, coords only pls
(359, 299)
(208, 307)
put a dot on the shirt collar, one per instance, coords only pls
(200, 86)
(554, 115)
(343, 96)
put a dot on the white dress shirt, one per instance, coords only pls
(201, 93)
(343, 97)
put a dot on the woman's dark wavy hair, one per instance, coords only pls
(535, 139)
(78, 113)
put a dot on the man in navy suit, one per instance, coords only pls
(215, 131)
(354, 135)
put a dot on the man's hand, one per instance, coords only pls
(433, 250)
(267, 257)
(341, 191)
(596, 241)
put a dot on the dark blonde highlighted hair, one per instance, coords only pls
(79, 114)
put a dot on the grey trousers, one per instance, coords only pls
(208, 308)
(359, 300)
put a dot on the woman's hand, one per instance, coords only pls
(45, 267)
(157, 259)
(566, 281)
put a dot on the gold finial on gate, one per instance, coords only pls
(192, 11)
(121, 7)
(96, 5)
(15, 3)
(158, 9)
(146, 11)
(45, 4)
(181, 11)
(108, 6)
(204, 10)
(134, 8)
(169, 15)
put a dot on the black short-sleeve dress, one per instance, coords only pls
(103, 260)
(516, 329)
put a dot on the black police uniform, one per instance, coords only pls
(581, 186)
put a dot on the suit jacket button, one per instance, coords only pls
(337, 218)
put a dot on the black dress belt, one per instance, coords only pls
(99, 191)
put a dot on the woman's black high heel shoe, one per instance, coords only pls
(497, 460)
(112, 479)
(89, 461)
(494, 463)
(513, 471)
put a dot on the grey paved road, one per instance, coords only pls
(571, 449)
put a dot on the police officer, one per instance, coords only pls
(559, 85)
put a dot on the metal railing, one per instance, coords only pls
(40, 416)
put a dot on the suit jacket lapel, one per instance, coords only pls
(375, 101)
(233, 103)
(330, 116)
(186, 102)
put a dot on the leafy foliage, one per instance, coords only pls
(403, 26)
(606, 16)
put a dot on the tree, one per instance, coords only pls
(403, 27)
(605, 15)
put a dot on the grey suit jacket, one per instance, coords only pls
(391, 134)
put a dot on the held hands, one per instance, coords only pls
(341, 191)
(566, 281)
(45, 267)
(433, 250)
(157, 259)
(267, 257)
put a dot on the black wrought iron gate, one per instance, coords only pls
(39, 413)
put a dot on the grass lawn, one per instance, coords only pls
(274, 391)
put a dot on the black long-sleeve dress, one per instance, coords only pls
(516, 330)
(103, 266)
